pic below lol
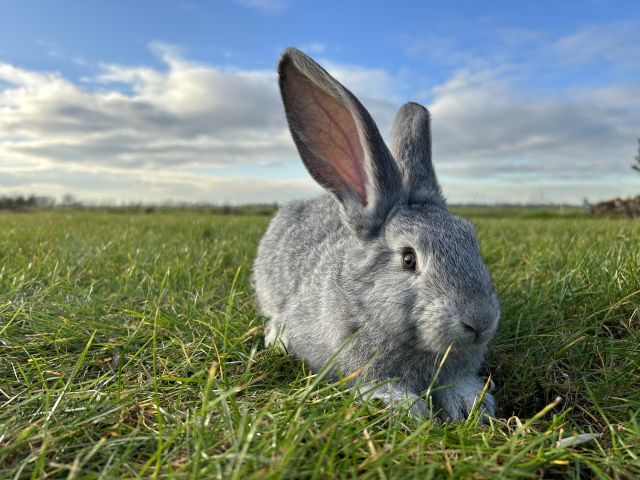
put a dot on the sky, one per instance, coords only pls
(153, 101)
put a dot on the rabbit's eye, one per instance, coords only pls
(408, 259)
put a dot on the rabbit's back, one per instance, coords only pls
(302, 237)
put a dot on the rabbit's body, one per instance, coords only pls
(377, 273)
(294, 259)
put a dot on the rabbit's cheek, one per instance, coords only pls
(435, 337)
(435, 326)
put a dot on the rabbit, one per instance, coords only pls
(375, 275)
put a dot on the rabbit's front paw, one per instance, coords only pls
(457, 401)
(397, 395)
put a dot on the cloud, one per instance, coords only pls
(437, 48)
(612, 43)
(313, 48)
(484, 125)
(52, 49)
(141, 125)
(188, 130)
(269, 7)
(108, 185)
(520, 113)
(185, 115)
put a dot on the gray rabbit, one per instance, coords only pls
(374, 275)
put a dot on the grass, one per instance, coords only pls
(130, 348)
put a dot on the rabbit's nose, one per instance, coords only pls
(479, 320)
(471, 329)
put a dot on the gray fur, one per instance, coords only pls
(329, 276)
(384, 190)
(411, 147)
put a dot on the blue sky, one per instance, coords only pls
(152, 101)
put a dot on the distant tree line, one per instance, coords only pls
(21, 203)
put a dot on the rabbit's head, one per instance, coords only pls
(415, 272)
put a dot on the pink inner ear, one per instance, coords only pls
(329, 131)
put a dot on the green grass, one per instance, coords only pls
(130, 348)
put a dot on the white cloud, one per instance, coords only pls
(51, 48)
(519, 112)
(615, 43)
(267, 6)
(313, 48)
(188, 114)
(194, 131)
(374, 83)
(112, 185)
(484, 126)
(137, 131)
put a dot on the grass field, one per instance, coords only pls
(130, 347)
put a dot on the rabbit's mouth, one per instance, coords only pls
(465, 325)
(458, 336)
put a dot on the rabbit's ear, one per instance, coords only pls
(339, 143)
(411, 147)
